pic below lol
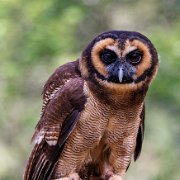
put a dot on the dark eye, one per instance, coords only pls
(108, 56)
(134, 57)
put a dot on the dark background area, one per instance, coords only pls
(39, 35)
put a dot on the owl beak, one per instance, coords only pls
(120, 74)
(121, 71)
(126, 72)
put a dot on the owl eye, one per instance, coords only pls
(134, 57)
(108, 56)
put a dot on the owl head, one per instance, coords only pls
(120, 59)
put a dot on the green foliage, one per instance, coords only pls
(38, 36)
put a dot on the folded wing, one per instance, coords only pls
(63, 101)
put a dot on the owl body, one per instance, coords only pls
(92, 120)
(115, 123)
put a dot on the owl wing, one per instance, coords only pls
(63, 101)
(140, 135)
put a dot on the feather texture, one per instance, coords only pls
(140, 135)
(63, 102)
(92, 120)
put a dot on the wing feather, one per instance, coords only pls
(140, 135)
(63, 102)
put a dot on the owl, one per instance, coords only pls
(93, 112)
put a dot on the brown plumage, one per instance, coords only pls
(93, 111)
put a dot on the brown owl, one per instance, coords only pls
(92, 120)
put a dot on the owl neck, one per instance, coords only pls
(112, 94)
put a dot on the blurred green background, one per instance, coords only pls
(39, 35)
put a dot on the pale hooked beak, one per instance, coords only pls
(121, 71)
(120, 74)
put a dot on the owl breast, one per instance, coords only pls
(103, 125)
(93, 121)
